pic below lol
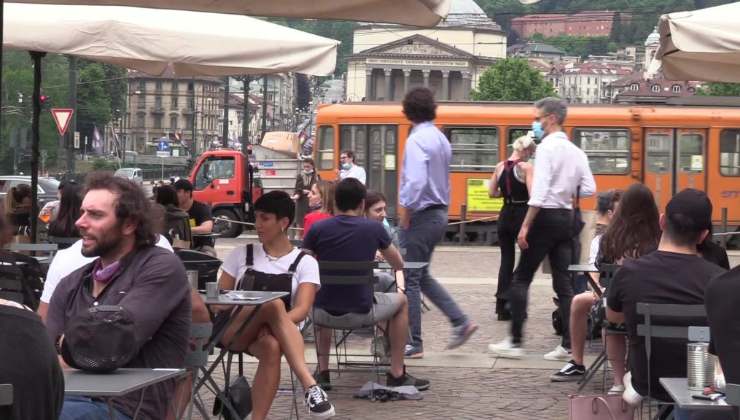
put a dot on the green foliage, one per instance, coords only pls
(103, 165)
(512, 79)
(93, 98)
(719, 89)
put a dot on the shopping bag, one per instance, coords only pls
(599, 407)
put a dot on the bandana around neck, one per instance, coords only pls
(104, 274)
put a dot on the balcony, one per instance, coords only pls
(157, 109)
(188, 111)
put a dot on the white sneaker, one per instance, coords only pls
(559, 354)
(616, 390)
(630, 396)
(506, 349)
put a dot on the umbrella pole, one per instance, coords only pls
(36, 57)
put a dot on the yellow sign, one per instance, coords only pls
(478, 199)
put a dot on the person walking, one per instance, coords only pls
(561, 172)
(423, 198)
(304, 181)
(511, 179)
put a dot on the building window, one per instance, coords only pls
(140, 120)
(608, 149)
(158, 85)
(175, 87)
(173, 122)
(158, 103)
(173, 102)
(474, 149)
(729, 152)
(158, 121)
(189, 123)
(655, 88)
(142, 86)
(326, 147)
(676, 88)
(634, 87)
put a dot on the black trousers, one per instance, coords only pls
(550, 235)
(509, 222)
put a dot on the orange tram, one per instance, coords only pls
(666, 147)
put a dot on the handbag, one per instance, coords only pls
(599, 407)
(239, 394)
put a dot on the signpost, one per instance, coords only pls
(62, 118)
(162, 154)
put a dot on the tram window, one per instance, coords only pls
(729, 152)
(691, 152)
(608, 149)
(659, 147)
(474, 149)
(326, 147)
(515, 133)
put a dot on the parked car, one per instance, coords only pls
(47, 187)
(134, 174)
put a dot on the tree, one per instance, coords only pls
(512, 79)
(720, 89)
(93, 99)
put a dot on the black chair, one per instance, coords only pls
(206, 265)
(670, 321)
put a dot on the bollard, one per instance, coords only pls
(723, 241)
(463, 217)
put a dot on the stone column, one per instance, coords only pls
(388, 85)
(406, 77)
(445, 85)
(368, 83)
(426, 77)
(466, 79)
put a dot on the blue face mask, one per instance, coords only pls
(346, 166)
(537, 130)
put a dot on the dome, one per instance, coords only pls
(653, 38)
(468, 13)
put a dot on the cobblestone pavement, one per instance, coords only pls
(467, 383)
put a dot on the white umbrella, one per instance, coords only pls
(409, 12)
(701, 44)
(150, 40)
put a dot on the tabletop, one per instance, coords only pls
(115, 384)
(678, 389)
(244, 298)
(583, 268)
(383, 265)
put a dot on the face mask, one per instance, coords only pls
(537, 130)
(386, 224)
(309, 172)
(346, 166)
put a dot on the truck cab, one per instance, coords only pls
(224, 179)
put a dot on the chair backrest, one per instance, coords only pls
(6, 394)
(607, 272)
(62, 240)
(206, 265)
(346, 272)
(197, 355)
(19, 246)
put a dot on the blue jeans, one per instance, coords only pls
(426, 229)
(84, 408)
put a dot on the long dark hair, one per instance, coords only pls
(69, 212)
(634, 229)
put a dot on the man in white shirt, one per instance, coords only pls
(349, 169)
(560, 168)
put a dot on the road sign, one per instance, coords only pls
(163, 145)
(163, 154)
(77, 140)
(62, 117)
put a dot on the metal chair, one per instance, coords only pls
(196, 360)
(358, 273)
(673, 322)
(206, 265)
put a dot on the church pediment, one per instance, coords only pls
(416, 45)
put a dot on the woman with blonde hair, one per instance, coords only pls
(512, 180)
(320, 202)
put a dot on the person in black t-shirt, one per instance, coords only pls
(722, 300)
(201, 221)
(713, 252)
(672, 274)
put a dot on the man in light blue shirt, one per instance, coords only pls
(424, 197)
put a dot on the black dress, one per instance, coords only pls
(303, 182)
(510, 221)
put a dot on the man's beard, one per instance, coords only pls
(104, 244)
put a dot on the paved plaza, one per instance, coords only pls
(467, 383)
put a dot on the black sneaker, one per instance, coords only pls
(406, 379)
(571, 372)
(323, 379)
(318, 403)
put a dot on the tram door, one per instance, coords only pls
(674, 160)
(376, 150)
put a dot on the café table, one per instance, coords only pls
(585, 269)
(678, 389)
(410, 265)
(117, 383)
(239, 300)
